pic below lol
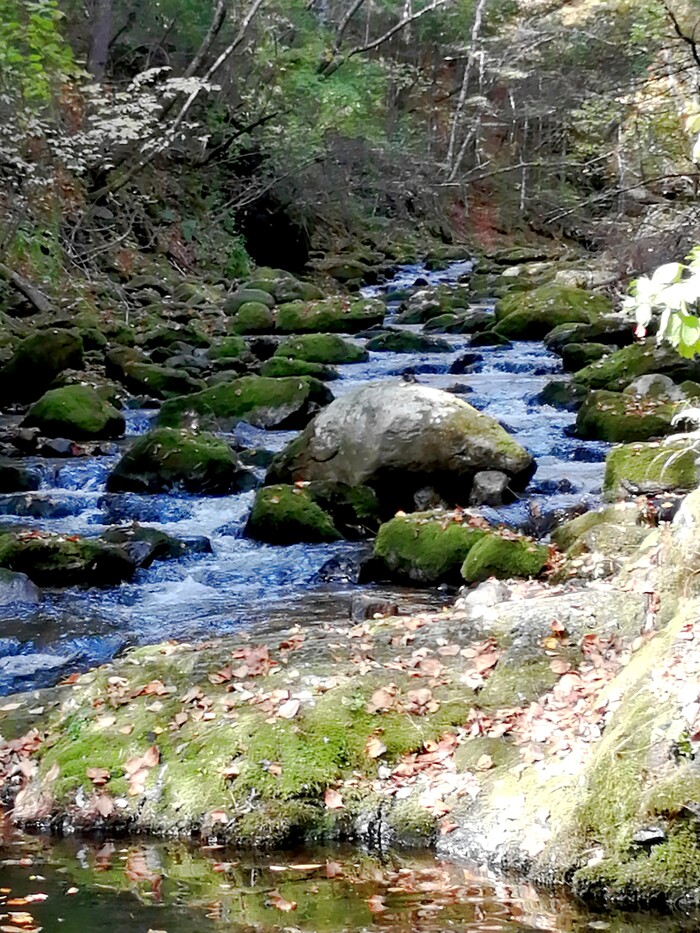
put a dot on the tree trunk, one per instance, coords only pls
(101, 30)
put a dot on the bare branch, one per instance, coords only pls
(36, 298)
(345, 22)
(402, 23)
(213, 31)
(689, 40)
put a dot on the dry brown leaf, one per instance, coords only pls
(374, 748)
(289, 709)
(281, 903)
(333, 800)
(98, 776)
(382, 699)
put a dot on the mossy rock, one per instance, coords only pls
(432, 302)
(504, 558)
(407, 342)
(322, 348)
(530, 316)
(76, 412)
(163, 337)
(16, 477)
(425, 547)
(618, 418)
(243, 296)
(575, 356)
(518, 679)
(489, 338)
(284, 403)
(253, 317)
(562, 394)
(330, 316)
(150, 544)
(281, 366)
(283, 286)
(159, 381)
(166, 459)
(443, 324)
(566, 535)
(57, 561)
(617, 370)
(611, 330)
(651, 469)
(228, 348)
(36, 362)
(287, 515)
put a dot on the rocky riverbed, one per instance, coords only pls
(544, 724)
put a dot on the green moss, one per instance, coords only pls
(577, 355)
(228, 348)
(253, 317)
(53, 560)
(283, 286)
(75, 411)
(322, 348)
(167, 458)
(624, 366)
(425, 547)
(617, 418)
(330, 315)
(517, 682)
(243, 296)
(650, 468)
(501, 752)
(496, 556)
(410, 823)
(280, 366)
(263, 401)
(36, 362)
(531, 315)
(287, 515)
(159, 381)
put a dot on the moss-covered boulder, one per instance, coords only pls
(37, 361)
(243, 296)
(404, 341)
(285, 403)
(432, 302)
(165, 336)
(322, 348)
(504, 557)
(228, 348)
(623, 417)
(58, 561)
(562, 394)
(567, 535)
(616, 417)
(531, 315)
(253, 317)
(617, 370)
(166, 459)
(76, 412)
(399, 437)
(159, 381)
(341, 315)
(144, 544)
(489, 338)
(283, 286)
(312, 512)
(280, 366)
(426, 548)
(651, 469)
(287, 515)
(610, 329)
(575, 356)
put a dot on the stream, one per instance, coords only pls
(138, 886)
(242, 583)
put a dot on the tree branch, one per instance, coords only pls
(390, 33)
(36, 298)
(213, 31)
(345, 22)
(689, 40)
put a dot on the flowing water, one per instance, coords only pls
(241, 582)
(131, 886)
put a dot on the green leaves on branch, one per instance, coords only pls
(34, 57)
(672, 292)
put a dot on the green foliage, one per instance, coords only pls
(34, 57)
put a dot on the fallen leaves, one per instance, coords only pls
(333, 800)
(280, 903)
(374, 748)
(138, 768)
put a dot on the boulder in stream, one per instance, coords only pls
(404, 341)
(75, 411)
(17, 588)
(617, 370)
(617, 417)
(169, 459)
(266, 402)
(650, 469)
(398, 437)
(531, 315)
(59, 561)
(322, 348)
(338, 315)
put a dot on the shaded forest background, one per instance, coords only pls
(203, 134)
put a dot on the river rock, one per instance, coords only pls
(504, 557)
(282, 366)
(465, 363)
(490, 487)
(618, 418)
(432, 302)
(322, 348)
(424, 548)
(341, 315)
(609, 329)
(397, 341)
(562, 394)
(575, 356)
(275, 403)
(367, 606)
(144, 545)
(314, 512)
(400, 436)
(655, 386)
(531, 315)
(253, 317)
(57, 561)
(617, 370)
(15, 477)
(169, 459)
(651, 469)
(37, 361)
(244, 296)
(17, 588)
(489, 338)
(77, 412)
(283, 286)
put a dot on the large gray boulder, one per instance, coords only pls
(399, 437)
